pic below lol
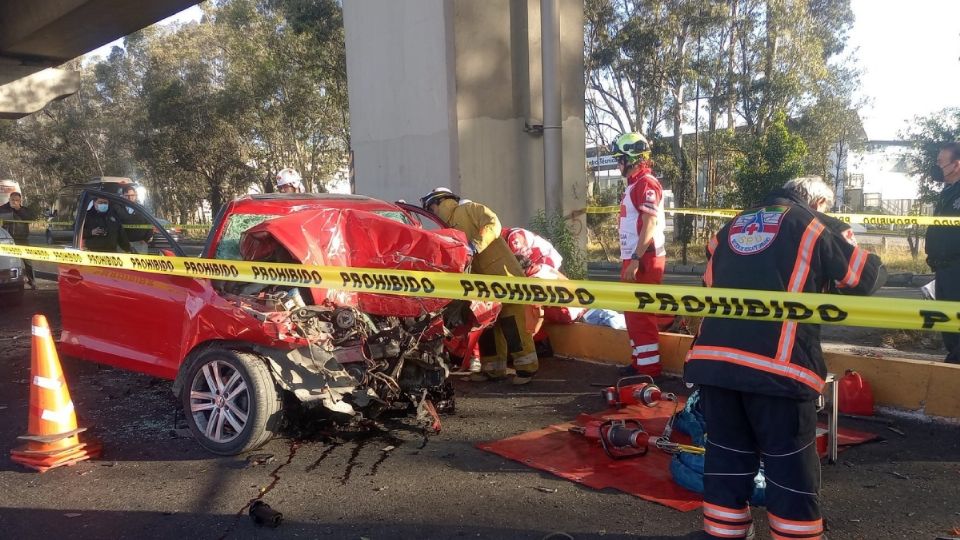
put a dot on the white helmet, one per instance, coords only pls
(289, 177)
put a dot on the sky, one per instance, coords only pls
(192, 13)
(909, 51)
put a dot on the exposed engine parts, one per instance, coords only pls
(351, 362)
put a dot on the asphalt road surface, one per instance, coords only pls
(154, 483)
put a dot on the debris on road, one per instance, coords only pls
(262, 514)
(259, 459)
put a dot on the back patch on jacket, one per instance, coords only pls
(754, 231)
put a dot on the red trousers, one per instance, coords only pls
(642, 327)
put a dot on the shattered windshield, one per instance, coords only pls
(237, 224)
(395, 215)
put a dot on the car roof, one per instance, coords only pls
(282, 203)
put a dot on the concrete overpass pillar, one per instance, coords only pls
(402, 92)
(449, 92)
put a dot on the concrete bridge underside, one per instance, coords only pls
(37, 35)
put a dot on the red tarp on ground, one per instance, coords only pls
(571, 456)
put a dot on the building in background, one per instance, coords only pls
(876, 179)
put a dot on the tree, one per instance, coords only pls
(191, 121)
(281, 86)
(721, 69)
(198, 112)
(832, 130)
(769, 162)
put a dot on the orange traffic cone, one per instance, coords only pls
(52, 431)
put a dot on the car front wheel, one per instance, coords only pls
(231, 401)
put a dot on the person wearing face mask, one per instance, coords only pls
(137, 228)
(102, 230)
(14, 216)
(943, 242)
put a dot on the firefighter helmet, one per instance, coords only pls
(630, 148)
(437, 195)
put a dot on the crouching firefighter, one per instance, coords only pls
(759, 380)
(492, 256)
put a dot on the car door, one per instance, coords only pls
(426, 220)
(133, 320)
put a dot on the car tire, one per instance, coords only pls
(242, 412)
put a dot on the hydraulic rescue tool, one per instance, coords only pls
(626, 438)
(643, 393)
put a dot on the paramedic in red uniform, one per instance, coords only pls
(641, 245)
(759, 380)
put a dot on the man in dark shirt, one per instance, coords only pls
(102, 231)
(943, 242)
(14, 216)
(136, 226)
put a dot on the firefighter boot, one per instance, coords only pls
(493, 357)
(518, 342)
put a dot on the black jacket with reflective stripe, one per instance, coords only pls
(781, 245)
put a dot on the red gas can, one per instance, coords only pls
(854, 395)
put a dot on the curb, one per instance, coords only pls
(924, 387)
(604, 271)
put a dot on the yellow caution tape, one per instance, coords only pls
(603, 209)
(691, 211)
(865, 219)
(706, 212)
(879, 219)
(670, 299)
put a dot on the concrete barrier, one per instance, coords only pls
(930, 388)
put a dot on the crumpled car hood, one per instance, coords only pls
(359, 239)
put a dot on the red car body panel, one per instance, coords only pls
(360, 239)
(150, 322)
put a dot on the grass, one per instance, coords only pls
(900, 260)
(911, 340)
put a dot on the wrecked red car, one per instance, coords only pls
(238, 351)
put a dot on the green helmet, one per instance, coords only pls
(630, 148)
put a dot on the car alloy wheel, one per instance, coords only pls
(230, 400)
(220, 401)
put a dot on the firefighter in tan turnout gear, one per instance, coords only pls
(508, 338)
